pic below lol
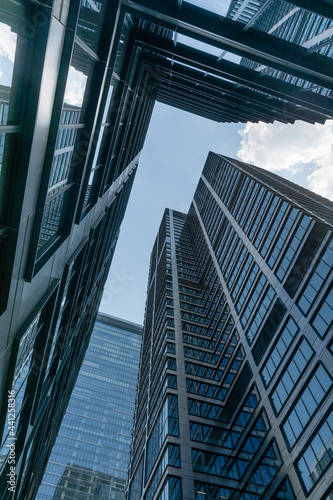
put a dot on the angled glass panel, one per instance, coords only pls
(90, 22)
(317, 456)
(196, 44)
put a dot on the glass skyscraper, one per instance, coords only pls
(235, 384)
(91, 454)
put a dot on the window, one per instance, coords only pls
(90, 23)
(218, 465)
(311, 397)
(284, 234)
(267, 331)
(278, 352)
(205, 389)
(203, 409)
(170, 457)
(253, 300)
(293, 246)
(166, 423)
(240, 279)
(172, 489)
(265, 222)
(260, 314)
(291, 375)
(135, 488)
(267, 469)
(204, 491)
(318, 455)
(259, 215)
(284, 491)
(323, 318)
(273, 229)
(316, 281)
(246, 287)
(19, 52)
(304, 259)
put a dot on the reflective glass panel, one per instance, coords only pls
(317, 455)
(90, 22)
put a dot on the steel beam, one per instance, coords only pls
(226, 34)
(319, 104)
(320, 7)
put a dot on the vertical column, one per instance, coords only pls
(184, 430)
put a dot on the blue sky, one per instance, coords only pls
(171, 163)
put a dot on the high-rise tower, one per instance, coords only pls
(235, 386)
(90, 457)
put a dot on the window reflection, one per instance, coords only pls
(4, 101)
(72, 116)
(8, 41)
(2, 148)
(81, 69)
(75, 87)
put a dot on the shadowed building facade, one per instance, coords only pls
(90, 457)
(235, 384)
(77, 88)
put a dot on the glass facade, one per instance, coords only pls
(251, 374)
(90, 457)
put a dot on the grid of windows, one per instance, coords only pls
(230, 432)
(92, 449)
(242, 274)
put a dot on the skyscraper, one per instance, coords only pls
(78, 82)
(90, 457)
(235, 384)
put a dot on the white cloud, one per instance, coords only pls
(7, 42)
(75, 87)
(292, 148)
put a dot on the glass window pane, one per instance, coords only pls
(90, 22)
